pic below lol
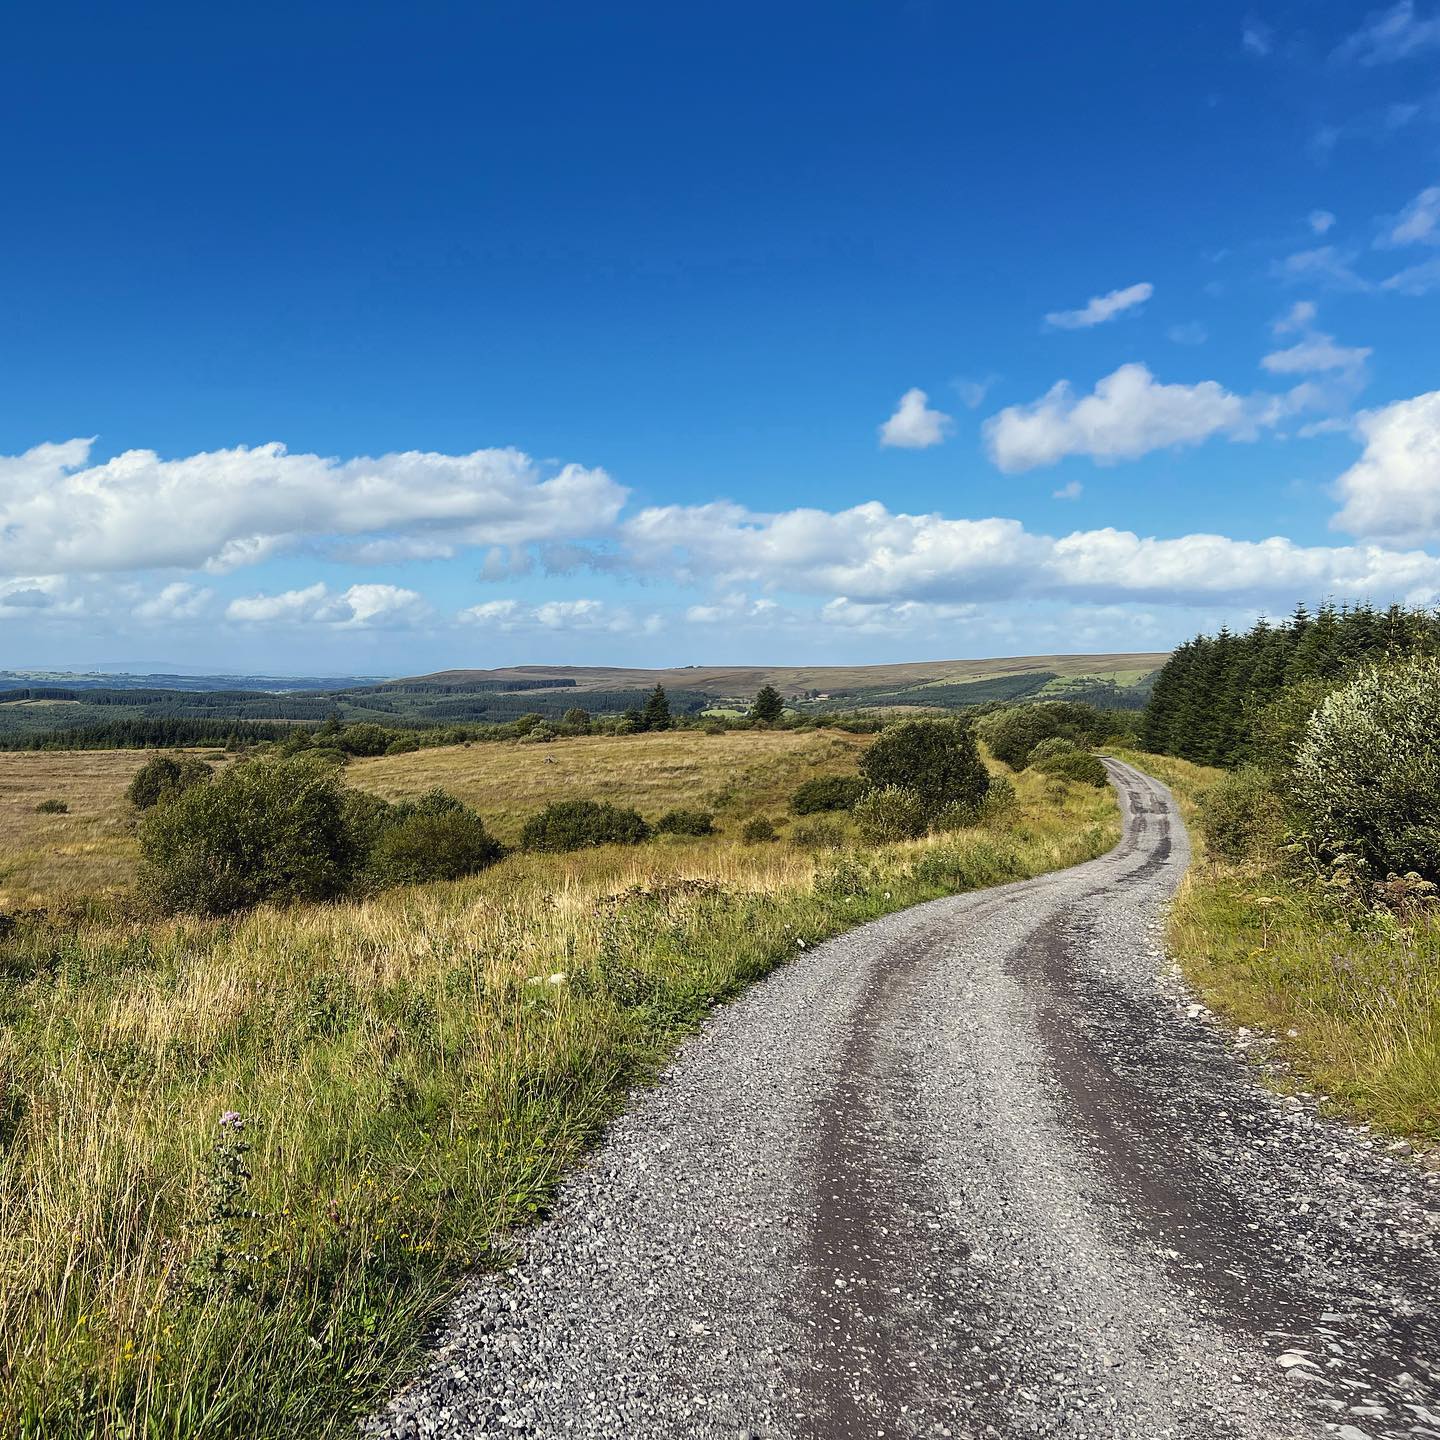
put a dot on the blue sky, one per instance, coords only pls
(378, 339)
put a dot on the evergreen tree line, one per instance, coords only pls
(161, 733)
(1209, 700)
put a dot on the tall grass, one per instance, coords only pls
(242, 1163)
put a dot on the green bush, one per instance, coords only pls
(1367, 774)
(827, 792)
(364, 739)
(892, 812)
(432, 844)
(1075, 765)
(164, 777)
(269, 829)
(1277, 729)
(52, 807)
(937, 759)
(686, 822)
(1241, 814)
(578, 824)
(1051, 745)
(822, 834)
(1013, 734)
(759, 831)
(576, 721)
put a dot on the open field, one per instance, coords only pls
(91, 851)
(737, 774)
(413, 1074)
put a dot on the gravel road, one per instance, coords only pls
(980, 1168)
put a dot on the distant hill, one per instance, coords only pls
(163, 710)
(799, 680)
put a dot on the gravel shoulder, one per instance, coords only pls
(981, 1167)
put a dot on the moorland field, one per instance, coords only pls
(245, 1159)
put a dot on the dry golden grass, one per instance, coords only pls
(89, 851)
(738, 774)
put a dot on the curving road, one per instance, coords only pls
(978, 1168)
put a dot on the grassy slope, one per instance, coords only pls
(1355, 999)
(413, 1081)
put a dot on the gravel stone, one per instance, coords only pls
(979, 1168)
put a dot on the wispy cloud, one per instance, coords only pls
(1257, 38)
(1387, 36)
(1417, 224)
(1101, 308)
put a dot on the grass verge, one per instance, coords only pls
(243, 1163)
(1352, 994)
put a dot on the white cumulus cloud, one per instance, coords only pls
(1128, 414)
(60, 514)
(1101, 308)
(1320, 221)
(1393, 490)
(914, 425)
(361, 607)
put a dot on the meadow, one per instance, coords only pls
(244, 1162)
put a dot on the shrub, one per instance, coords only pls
(827, 792)
(1051, 745)
(52, 807)
(434, 844)
(1073, 764)
(576, 720)
(1013, 734)
(999, 799)
(1241, 814)
(820, 834)
(541, 734)
(759, 831)
(324, 755)
(164, 777)
(269, 829)
(578, 824)
(1278, 729)
(686, 822)
(1367, 775)
(937, 759)
(892, 812)
(364, 739)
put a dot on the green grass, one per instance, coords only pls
(1353, 995)
(414, 1075)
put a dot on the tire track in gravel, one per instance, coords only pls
(980, 1168)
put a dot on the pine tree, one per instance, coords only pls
(656, 715)
(768, 706)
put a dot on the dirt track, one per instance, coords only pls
(978, 1168)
